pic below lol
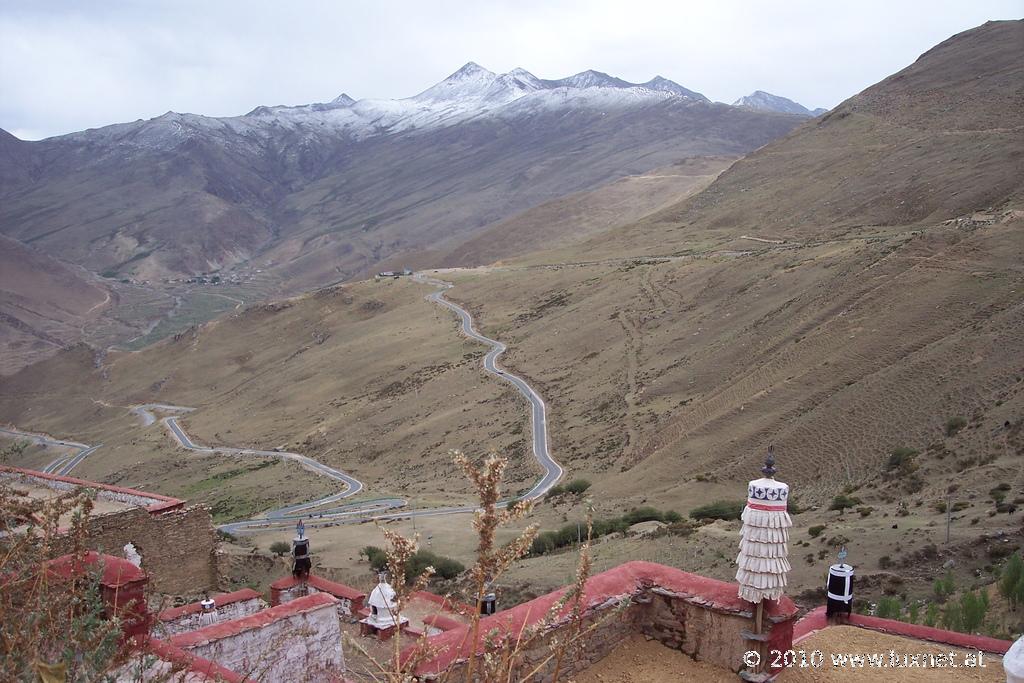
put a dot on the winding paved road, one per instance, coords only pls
(317, 512)
(539, 418)
(63, 464)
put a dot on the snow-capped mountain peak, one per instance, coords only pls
(468, 93)
(662, 84)
(765, 101)
(471, 81)
(592, 79)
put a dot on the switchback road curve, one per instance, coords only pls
(329, 510)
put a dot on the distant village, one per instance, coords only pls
(394, 273)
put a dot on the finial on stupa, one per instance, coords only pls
(842, 555)
(300, 530)
(769, 463)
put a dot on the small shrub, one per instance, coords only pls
(377, 558)
(556, 490)
(954, 425)
(794, 507)
(998, 493)
(279, 548)
(722, 509)
(444, 567)
(843, 501)
(889, 608)
(865, 511)
(642, 514)
(816, 530)
(945, 586)
(901, 460)
(1000, 551)
(577, 486)
(885, 562)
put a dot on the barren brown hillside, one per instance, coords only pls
(572, 219)
(43, 303)
(942, 138)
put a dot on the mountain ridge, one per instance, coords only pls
(760, 100)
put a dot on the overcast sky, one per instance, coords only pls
(66, 66)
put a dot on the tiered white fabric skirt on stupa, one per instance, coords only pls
(764, 543)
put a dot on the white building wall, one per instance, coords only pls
(299, 647)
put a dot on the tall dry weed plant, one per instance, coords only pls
(51, 629)
(496, 655)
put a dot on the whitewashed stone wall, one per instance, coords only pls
(299, 647)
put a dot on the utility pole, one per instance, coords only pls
(949, 514)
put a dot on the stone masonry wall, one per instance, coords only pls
(177, 547)
(704, 634)
(613, 625)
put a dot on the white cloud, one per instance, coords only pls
(68, 66)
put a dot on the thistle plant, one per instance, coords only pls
(51, 629)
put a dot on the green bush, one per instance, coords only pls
(954, 425)
(952, 616)
(556, 490)
(721, 509)
(889, 608)
(377, 557)
(843, 501)
(444, 567)
(577, 486)
(573, 532)
(973, 607)
(901, 460)
(816, 530)
(279, 548)
(1012, 580)
(945, 586)
(642, 514)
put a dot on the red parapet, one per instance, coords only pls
(815, 621)
(611, 586)
(160, 503)
(219, 600)
(445, 603)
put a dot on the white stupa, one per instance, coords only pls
(384, 618)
